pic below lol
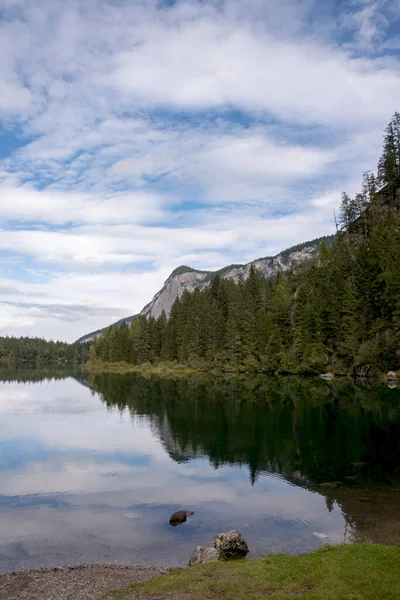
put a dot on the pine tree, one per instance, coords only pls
(389, 163)
(349, 210)
(92, 354)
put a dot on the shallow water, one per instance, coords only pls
(92, 467)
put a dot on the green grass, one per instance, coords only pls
(344, 572)
(103, 367)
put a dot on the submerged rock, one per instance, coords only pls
(327, 376)
(231, 544)
(202, 555)
(179, 517)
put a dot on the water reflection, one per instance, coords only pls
(292, 463)
(340, 438)
(309, 431)
(31, 372)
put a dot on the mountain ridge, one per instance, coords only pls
(186, 277)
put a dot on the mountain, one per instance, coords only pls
(88, 337)
(187, 278)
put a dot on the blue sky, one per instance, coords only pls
(138, 136)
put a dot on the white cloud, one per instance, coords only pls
(24, 203)
(369, 21)
(15, 97)
(208, 63)
(69, 305)
(116, 245)
(219, 156)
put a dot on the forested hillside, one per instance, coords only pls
(31, 349)
(340, 312)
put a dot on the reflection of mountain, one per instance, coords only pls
(294, 427)
(173, 445)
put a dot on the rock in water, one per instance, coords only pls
(202, 555)
(392, 376)
(179, 517)
(320, 536)
(231, 545)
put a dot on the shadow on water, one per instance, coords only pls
(339, 438)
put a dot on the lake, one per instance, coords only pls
(93, 465)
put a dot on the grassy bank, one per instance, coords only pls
(356, 572)
(179, 369)
(104, 367)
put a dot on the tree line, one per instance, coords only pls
(340, 312)
(34, 349)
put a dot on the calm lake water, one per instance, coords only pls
(92, 467)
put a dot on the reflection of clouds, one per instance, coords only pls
(37, 397)
(99, 432)
(164, 484)
(82, 468)
(66, 415)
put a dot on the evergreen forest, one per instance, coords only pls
(339, 313)
(34, 349)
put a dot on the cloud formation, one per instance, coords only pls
(139, 136)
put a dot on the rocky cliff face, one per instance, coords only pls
(179, 281)
(186, 278)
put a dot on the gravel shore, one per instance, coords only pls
(83, 582)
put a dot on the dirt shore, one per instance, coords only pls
(83, 582)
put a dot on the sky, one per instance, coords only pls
(137, 136)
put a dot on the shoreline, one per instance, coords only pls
(122, 368)
(125, 368)
(86, 581)
(363, 570)
(81, 566)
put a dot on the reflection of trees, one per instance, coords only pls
(31, 372)
(305, 430)
(370, 509)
